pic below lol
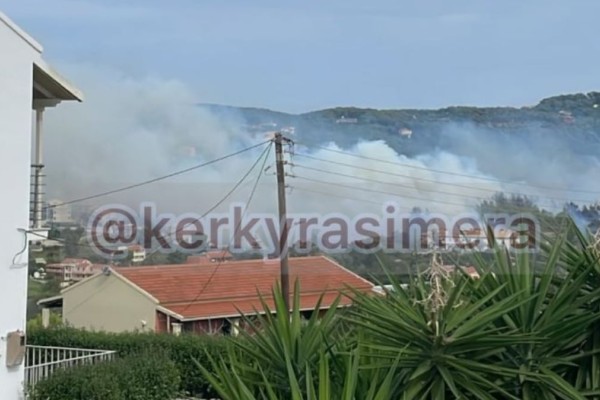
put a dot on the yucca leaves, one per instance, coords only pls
(286, 357)
(529, 328)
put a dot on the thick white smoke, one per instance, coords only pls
(132, 129)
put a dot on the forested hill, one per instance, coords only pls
(574, 118)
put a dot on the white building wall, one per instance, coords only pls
(16, 75)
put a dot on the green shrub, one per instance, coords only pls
(184, 351)
(145, 376)
(36, 322)
(528, 328)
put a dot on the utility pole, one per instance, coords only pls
(283, 228)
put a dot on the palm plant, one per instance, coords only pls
(320, 383)
(518, 332)
(553, 308)
(527, 329)
(278, 345)
(442, 341)
(586, 372)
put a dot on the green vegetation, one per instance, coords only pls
(528, 329)
(36, 322)
(516, 333)
(575, 117)
(72, 238)
(183, 351)
(37, 290)
(144, 376)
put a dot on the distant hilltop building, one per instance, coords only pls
(135, 252)
(73, 270)
(288, 131)
(405, 132)
(566, 116)
(344, 120)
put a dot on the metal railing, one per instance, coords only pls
(42, 361)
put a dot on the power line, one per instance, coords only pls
(449, 173)
(433, 180)
(214, 272)
(402, 196)
(216, 205)
(160, 178)
(303, 189)
(263, 154)
(374, 191)
(61, 240)
(393, 183)
(382, 182)
(229, 193)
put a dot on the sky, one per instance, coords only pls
(298, 56)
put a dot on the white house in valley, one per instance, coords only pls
(28, 86)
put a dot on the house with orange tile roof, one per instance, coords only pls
(199, 298)
(209, 257)
(73, 269)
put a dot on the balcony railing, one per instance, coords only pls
(42, 361)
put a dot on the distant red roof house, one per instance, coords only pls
(73, 269)
(211, 256)
(203, 298)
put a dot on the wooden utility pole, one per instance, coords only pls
(283, 228)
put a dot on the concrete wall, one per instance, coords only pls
(108, 304)
(16, 82)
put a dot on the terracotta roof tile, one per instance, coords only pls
(217, 289)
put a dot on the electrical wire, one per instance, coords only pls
(61, 240)
(434, 180)
(221, 201)
(157, 179)
(303, 189)
(375, 191)
(448, 173)
(399, 184)
(264, 157)
(216, 268)
(216, 205)
(324, 171)
(15, 264)
(227, 195)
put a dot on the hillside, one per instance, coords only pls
(574, 119)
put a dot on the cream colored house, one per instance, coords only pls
(107, 302)
(199, 298)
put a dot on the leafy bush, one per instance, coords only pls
(36, 322)
(527, 329)
(145, 376)
(184, 351)
(283, 356)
